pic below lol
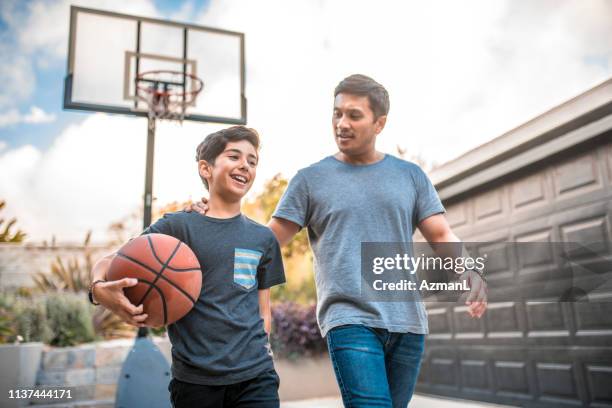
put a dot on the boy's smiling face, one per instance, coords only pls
(233, 172)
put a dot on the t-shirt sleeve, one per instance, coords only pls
(270, 271)
(161, 226)
(428, 202)
(293, 205)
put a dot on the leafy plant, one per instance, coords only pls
(7, 325)
(5, 232)
(74, 275)
(31, 322)
(7, 333)
(58, 319)
(110, 326)
(295, 332)
(70, 319)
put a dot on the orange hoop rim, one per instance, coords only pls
(191, 94)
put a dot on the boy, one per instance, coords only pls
(220, 351)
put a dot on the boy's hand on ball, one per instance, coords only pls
(111, 296)
(200, 207)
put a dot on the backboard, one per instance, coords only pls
(109, 52)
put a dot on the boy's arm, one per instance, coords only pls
(265, 311)
(111, 296)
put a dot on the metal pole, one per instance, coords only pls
(148, 193)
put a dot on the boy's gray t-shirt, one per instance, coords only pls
(343, 205)
(222, 340)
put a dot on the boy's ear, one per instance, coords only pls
(205, 169)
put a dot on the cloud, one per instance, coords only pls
(38, 115)
(93, 175)
(35, 116)
(458, 75)
(36, 37)
(18, 78)
(86, 179)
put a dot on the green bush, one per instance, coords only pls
(7, 321)
(70, 318)
(31, 322)
(73, 275)
(6, 235)
(59, 319)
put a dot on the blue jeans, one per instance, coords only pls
(375, 368)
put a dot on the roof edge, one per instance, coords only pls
(585, 108)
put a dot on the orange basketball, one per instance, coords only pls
(168, 273)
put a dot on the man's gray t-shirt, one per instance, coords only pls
(343, 205)
(222, 340)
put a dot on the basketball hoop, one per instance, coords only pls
(167, 93)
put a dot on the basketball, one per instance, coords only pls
(168, 273)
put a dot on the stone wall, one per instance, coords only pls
(91, 371)
(19, 262)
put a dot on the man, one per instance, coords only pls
(362, 195)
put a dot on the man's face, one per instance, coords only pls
(354, 126)
(234, 170)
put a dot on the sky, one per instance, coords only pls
(459, 74)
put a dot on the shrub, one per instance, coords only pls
(74, 275)
(70, 319)
(58, 319)
(295, 332)
(31, 322)
(108, 325)
(6, 235)
(7, 320)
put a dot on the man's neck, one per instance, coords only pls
(370, 157)
(219, 207)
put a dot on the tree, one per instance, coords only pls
(262, 207)
(5, 234)
(417, 158)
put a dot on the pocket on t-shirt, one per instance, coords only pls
(246, 262)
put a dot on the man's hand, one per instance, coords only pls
(477, 297)
(200, 207)
(111, 296)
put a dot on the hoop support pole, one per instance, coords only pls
(148, 193)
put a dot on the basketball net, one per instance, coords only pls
(164, 98)
(161, 106)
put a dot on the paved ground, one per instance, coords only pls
(418, 401)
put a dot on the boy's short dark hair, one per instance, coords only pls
(214, 144)
(362, 85)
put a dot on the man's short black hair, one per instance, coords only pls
(362, 85)
(214, 144)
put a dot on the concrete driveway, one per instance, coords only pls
(418, 401)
